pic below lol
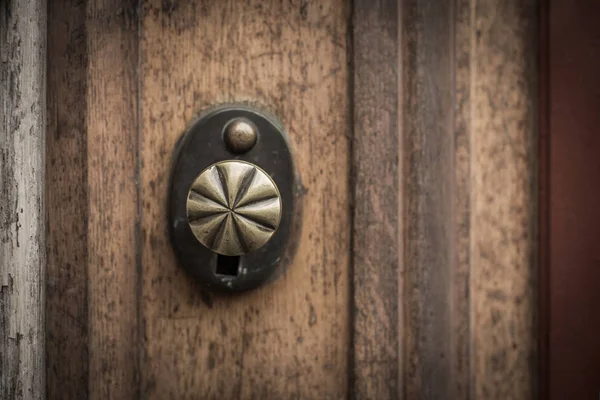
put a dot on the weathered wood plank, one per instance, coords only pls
(376, 254)
(112, 129)
(443, 289)
(22, 249)
(67, 203)
(289, 339)
(428, 175)
(461, 294)
(469, 163)
(503, 199)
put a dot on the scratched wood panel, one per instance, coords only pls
(468, 191)
(440, 172)
(22, 226)
(289, 339)
(91, 168)
(502, 199)
(111, 95)
(428, 174)
(376, 255)
(67, 203)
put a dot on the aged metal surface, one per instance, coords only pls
(233, 207)
(240, 135)
(22, 227)
(202, 147)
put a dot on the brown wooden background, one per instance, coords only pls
(414, 130)
(570, 195)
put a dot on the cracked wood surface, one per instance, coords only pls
(22, 250)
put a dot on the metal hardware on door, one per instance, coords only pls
(233, 208)
(232, 198)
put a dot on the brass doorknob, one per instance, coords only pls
(233, 207)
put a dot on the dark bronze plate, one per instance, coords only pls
(201, 146)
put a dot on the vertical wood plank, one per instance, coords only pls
(113, 202)
(22, 248)
(67, 203)
(289, 339)
(376, 254)
(469, 161)
(428, 157)
(460, 285)
(502, 199)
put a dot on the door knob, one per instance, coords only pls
(233, 207)
(232, 199)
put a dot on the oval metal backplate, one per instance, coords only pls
(203, 145)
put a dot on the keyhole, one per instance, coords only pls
(228, 265)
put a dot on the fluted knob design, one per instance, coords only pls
(233, 207)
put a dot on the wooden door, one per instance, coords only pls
(412, 125)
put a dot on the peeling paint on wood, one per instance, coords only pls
(22, 251)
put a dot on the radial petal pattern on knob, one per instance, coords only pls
(233, 207)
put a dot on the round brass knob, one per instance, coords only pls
(233, 207)
(240, 135)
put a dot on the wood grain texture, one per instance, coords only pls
(67, 203)
(502, 199)
(428, 157)
(376, 254)
(289, 339)
(22, 241)
(92, 168)
(460, 288)
(469, 199)
(112, 198)
(414, 271)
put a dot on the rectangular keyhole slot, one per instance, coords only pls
(228, 265)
